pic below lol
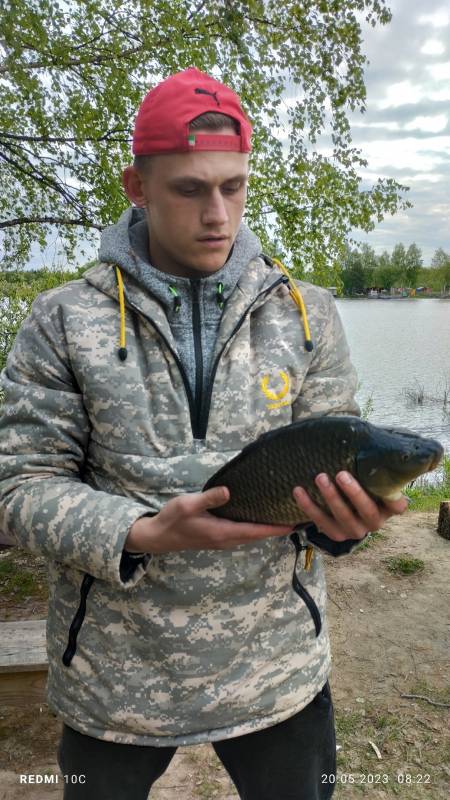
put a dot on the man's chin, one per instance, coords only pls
(210, 262)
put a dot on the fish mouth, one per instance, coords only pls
(436, 459)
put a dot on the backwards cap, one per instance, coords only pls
(162, 122)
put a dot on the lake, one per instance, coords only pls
(396, 345)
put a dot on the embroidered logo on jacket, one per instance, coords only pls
(277, 398)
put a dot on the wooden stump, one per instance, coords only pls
(443, 527)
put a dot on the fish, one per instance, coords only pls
(262, 476)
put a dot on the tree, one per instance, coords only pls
(386, 273)
(369, 261)
(413, 263)
(384, 260)
(72, 74)
(441, 262)
(398, 263)
(17, 292)
(440, 258)
(353, 272)
(358, 269)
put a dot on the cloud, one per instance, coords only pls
(438, 19)
(405, 130)
(431, 124)
(433, 47)
(440, 72)
(399, 94)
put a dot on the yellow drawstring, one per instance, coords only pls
(298, 300)
(309, 555)
(122, 349)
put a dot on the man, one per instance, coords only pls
(190, 628)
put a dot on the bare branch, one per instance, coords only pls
(78, 47)
(35, 174)
(82, 62)
(196, 10)
(67, 139)
(10, 223)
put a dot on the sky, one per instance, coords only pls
(405, 131)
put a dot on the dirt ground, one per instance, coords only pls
(389, 637)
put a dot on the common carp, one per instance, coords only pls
(262, 476)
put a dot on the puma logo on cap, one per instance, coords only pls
(212, 94)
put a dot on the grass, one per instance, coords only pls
(410, 736)
(417, 395)
(421, 687)
(428, 496)
(370, 540)
(20, 577)
(210, 779)
(404, 565)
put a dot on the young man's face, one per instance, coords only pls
(191, 197)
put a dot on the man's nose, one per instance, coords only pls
(215, 211)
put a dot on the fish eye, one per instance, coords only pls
(405, 457)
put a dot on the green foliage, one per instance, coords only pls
(441, 264)
(72, 76)
(361, 269)
(413, 263)
(18, 289)
(367, 408)
(428, 496)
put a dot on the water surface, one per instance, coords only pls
(399, 344)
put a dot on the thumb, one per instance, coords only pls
(213, 498)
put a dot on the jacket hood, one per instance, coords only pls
(125, 244)
(166, 298)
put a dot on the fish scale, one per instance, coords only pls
(262, 476)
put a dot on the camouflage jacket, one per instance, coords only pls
(183, 647)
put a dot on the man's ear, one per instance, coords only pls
(132, 182)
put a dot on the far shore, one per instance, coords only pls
(430, 296)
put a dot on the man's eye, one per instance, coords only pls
(231, 189)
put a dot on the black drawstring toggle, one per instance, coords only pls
(219, 294)
(176, 299)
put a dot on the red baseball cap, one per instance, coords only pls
(162, 122)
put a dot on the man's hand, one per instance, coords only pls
(344, 522)
(184, 524)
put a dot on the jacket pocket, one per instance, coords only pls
(300, 589)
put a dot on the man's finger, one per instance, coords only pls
(397, 506)
(212, 498)
(324, 522)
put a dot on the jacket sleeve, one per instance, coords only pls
(331, 381)
(44, 432)
(330, 546)
(329, 388)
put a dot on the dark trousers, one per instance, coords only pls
(292, 760)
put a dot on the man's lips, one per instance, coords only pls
(213, 242)
(212, 238)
